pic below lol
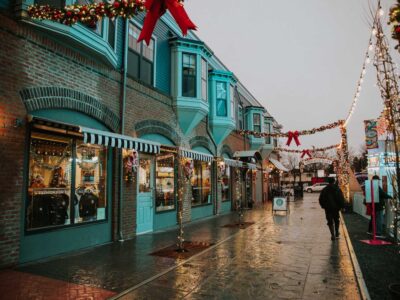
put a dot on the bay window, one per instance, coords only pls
(204, 80)
(240, 117)
(67, 181)
(222, 109)
(257, 122)
(111, 32)
(267, 130)
(201, 183)
(232, 94)
(189, 76)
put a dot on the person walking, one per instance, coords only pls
(332, 201)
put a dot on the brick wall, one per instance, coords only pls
(30, 62)
(38, 73)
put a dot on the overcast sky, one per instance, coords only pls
(300, 58)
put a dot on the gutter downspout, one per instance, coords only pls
(122, 117)
(215, 167)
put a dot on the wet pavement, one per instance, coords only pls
(379, 264)
(279, 257)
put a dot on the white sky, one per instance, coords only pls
(300, 58)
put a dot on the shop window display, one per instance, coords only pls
(165, 183)
(201, 183)
(59, 165)
(90, 182)
(226, 184)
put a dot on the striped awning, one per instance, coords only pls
(233, 163)
(196, 155)
(251, 166)
(99, 137)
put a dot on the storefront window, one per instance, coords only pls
(201, 183)
(226, 184)
(57, 166)
(90, 180)
(165, 183)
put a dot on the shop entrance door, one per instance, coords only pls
(144, 214)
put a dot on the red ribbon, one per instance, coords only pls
(155, 9)
(293, 135)
(306, 152)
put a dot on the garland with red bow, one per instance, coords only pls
(307, 151)
(90, 14)
(292, 135)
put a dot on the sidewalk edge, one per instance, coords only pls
(362, 287)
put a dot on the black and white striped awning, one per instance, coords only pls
(233, 163)
(251, 166)
(196, 155)
(99, 137)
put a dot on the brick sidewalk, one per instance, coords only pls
(288, 257)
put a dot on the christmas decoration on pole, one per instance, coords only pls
(343, 152)
(184, 178)
(387, 80)
(90, 14)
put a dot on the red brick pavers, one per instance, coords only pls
(25, 286)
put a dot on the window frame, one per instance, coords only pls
(267, 129)
(195, 75)
(217, 100)
(204, 80)
(257, 115)
(232, 98)
(230, 184)
(175, 188)
(142, 56)
(240, 117)
(201, 189)
(74, 138)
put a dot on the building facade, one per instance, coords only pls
(100, 135)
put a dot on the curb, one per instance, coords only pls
(362, 287)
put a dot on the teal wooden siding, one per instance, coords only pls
(226, 207)
(201, 212)
(165, 220)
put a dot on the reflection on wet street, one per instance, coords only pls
(279, 257)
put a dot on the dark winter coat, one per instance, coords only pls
(331, 198)
(382, 197)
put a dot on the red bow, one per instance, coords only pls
(156, 8)
(293, 135)
(306, 152)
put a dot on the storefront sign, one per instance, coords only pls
(317, 160)
(371, 134)
(280, 204)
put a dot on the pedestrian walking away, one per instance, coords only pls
(332, 201)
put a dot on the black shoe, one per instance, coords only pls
(333, 238)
